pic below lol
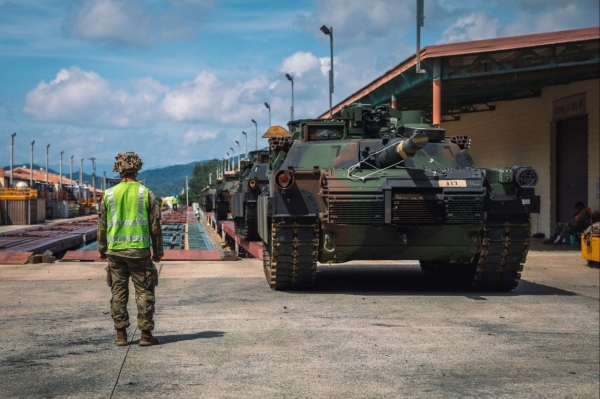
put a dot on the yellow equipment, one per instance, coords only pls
(18, 193)
(590, 245)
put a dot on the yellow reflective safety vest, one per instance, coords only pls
(175, 201)
(127, 216)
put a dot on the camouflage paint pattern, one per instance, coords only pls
(143, 273)
(423, 200)
(244, 198)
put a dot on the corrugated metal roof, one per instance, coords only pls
(23, 173)
(472, 47)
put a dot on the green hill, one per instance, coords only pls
(166, 181)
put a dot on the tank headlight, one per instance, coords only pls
(284, 179)
(526, 177)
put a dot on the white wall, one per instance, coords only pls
(522, 132)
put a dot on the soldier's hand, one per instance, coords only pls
(156, 258)
(103, 256)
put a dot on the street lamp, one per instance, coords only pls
(47, 149)
(246, 153)
(256, 127)
(239, 154)
(31, 166)
(269, 108)
(329, 32)
(227, 162)
(291, 79)
(232, 161)
(12, 147)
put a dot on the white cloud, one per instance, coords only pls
(560, 17)
(355, 21)
(135, 23)
(84, 98)
(113, 21)
(299, 63)
(195, 134)
(475, 26)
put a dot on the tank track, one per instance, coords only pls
(498, 267)
(290, 258)
(505, 244)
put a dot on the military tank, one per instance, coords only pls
(205, 199)
(253, 172)
(221, 199)
(380, 184)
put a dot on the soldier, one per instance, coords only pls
(581, 220)
(128, 225)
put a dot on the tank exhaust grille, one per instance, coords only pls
(431, 210)
(352, 209)
(463, 209)
(411, 210)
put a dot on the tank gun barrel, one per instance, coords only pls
(402, 150)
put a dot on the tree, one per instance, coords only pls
(200, 178)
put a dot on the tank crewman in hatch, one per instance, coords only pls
(581, 220)
(128, 226)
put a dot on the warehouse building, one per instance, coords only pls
(525, 100)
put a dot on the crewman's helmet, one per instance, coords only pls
(127, 162)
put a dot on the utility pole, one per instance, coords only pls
(81, 181)
(71, 171)
(187, 202)
(47, 149)
(31, 166)
(93, 179)
(60, 172)
(12, 148)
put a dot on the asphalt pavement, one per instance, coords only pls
(369, 330)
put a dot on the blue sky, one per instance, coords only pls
(179, 80)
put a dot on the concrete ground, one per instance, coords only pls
(373, 330)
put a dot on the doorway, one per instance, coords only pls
(571, 165)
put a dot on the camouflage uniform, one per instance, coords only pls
(579, 223)
(134, 263)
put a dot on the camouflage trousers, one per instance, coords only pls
(564, 229)
(140, 271)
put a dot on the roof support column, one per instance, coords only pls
(437, 91)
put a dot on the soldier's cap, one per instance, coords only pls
(276, 131)
(127, 162)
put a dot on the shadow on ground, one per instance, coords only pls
(407, 280)
(169, 339)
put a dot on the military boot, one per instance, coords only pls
(147, 339)
(121, 339)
